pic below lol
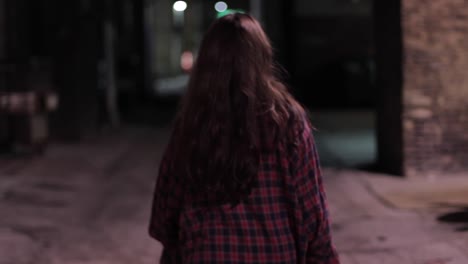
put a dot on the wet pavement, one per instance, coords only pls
(89, 203)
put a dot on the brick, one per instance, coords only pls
(435, 37)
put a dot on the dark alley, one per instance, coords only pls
(92, 92)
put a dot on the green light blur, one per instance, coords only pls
(228, 12)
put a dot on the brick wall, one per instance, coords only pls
(435, 86)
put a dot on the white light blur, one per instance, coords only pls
(221, 6)
(180, 6)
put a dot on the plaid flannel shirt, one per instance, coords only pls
(284, 220)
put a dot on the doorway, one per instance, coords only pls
(334, 75)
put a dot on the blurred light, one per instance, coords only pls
(186, 61)
(228, 12)
(180, 6)
(221, 6)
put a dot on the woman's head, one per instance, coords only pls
(235, 60)
(233, 109)
(236, 46)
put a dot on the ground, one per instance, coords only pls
(90, 202)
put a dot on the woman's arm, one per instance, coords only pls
(167, 201)
(312, 201)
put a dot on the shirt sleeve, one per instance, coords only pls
(167, 201)
(312, 201)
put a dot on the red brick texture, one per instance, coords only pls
(435, 86)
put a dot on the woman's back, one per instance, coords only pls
(261, 229)
(283, 220)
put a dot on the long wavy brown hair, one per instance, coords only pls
(235, 108)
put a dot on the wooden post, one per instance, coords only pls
(3, 81)
(256, 9)
(111, 82)
(387, 17)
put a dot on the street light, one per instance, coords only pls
(178, 13)
(180, 6)
(221, 6)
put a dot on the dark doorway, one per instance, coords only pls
(333, 73)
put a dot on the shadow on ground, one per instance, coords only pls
(458, 218)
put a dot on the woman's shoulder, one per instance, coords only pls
(299, 122)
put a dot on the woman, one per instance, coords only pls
(239, 181)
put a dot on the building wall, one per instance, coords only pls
(435, 90)
(74, 57)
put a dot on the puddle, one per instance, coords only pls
(11, 165)
(50, 186)
(32, 199)
(458, 217)
(439, 261)
(35, 232)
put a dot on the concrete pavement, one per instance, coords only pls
(84, 203)
(89, 203)
(368, 228)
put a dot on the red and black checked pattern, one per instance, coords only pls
(284, 220)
